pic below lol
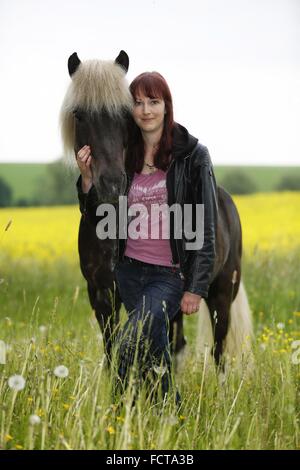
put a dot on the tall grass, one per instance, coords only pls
(46, 321)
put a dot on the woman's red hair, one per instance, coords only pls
(153, 85)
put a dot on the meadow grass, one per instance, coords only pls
(46, 321)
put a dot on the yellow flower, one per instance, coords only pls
(19, 447)
(264, 338)
(297, 314)
(182, 418)
(8, 437)
(259, 213)
(29, 399)
(120, 419)
(66, 406)
(110, 430)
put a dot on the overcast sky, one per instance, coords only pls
(233, 67)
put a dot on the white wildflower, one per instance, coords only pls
(61, 371)
(43, 329)
(34, 419)
(16, 382)
(280, 326)
(160, 370)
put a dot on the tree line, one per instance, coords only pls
(57, 186)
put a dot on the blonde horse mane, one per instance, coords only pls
(96, 86)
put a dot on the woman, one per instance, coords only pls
(157, 274)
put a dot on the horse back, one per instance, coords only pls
(229, 233)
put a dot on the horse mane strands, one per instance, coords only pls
(96, 86)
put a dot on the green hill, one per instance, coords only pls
(23, 178)
(265, 178)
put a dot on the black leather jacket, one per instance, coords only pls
(190, 180)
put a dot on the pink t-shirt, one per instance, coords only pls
(148, 227)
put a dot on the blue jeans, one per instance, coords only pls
(151, 295)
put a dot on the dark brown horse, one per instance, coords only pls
(95, 112)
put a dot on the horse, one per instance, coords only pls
(95, 111)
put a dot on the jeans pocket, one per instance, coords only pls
(173, 272)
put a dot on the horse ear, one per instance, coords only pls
(73, 63)
(123, 60)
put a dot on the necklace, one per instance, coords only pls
(149, 166)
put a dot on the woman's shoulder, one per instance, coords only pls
(200, 155)
(188, 146)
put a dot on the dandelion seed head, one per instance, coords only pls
(160, 370)
(280, 326)
(172, 420)
(43, 329)
(16, 382)
(34, 420)
(61, 372)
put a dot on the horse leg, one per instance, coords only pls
(177, 340)
(107, 314)
(221, 294)
(176, 335)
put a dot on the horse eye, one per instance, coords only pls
(78, 115)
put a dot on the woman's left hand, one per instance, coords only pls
(190, 303)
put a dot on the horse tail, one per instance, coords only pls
(237, 349)
(238, 342)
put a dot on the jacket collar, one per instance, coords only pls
(183, 142)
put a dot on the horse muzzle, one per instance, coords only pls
(110, 188)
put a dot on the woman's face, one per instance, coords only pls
(149, 113)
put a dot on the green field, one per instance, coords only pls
(23, 177)
(46, 321)
(266, 178)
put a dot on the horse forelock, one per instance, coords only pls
(96, 86)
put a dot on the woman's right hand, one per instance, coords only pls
(84, 160)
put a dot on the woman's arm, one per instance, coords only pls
(199, 264)
(87, 195)
(84, 160)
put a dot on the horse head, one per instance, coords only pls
(94, 112)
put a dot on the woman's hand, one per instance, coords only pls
(84, 160)
(190, 303)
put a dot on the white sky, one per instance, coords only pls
(233, 67)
